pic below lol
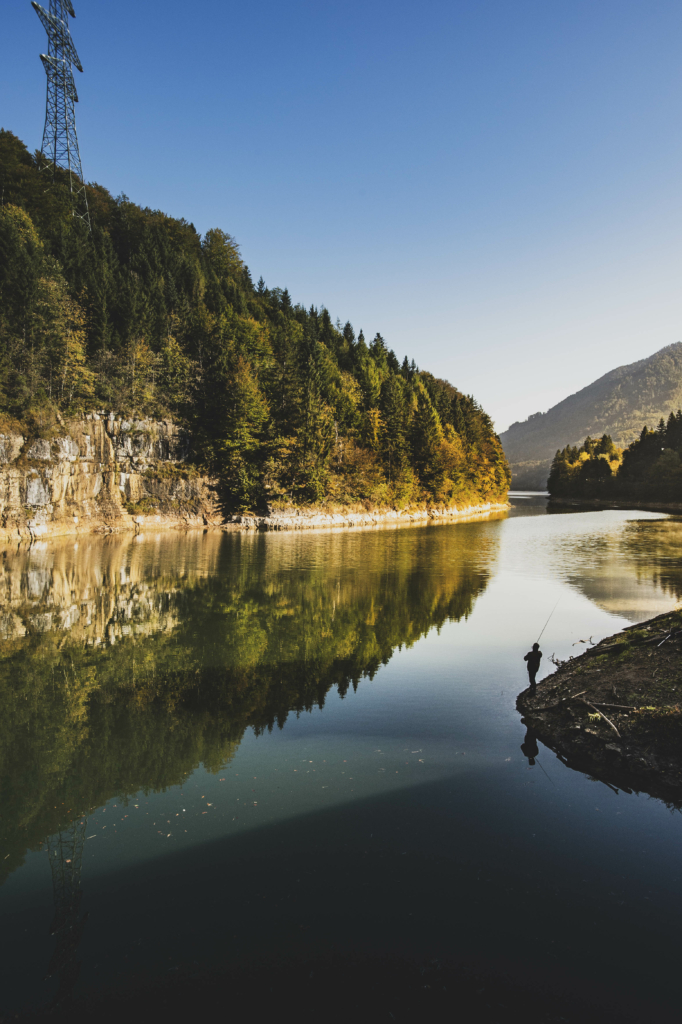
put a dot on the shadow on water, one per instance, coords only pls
(362, 879)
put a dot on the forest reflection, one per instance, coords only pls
(126, 663)
(634, 570)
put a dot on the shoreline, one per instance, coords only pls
(673, 508)
(298, 519)
(615, 711)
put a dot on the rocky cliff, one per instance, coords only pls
(106, 474)
(101, 475)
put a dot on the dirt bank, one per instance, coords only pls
(615, 711)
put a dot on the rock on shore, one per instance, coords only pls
(314, 519)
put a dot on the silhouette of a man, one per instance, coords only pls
(530, 746)
(532, 660)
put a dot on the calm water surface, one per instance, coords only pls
(216, 748)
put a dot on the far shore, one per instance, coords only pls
(673, 508)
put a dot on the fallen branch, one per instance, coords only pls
(626, 707)
(608, 720)
(624, 645)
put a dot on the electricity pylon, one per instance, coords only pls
(60, 141)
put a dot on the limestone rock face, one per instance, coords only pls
(102, 475)
(10, 447)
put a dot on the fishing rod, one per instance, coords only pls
(547, 623)
(539, 763)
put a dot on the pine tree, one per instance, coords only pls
(239, 445)
(393, 431)
(426, 435)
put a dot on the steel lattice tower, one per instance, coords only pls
(65, 849)
(60, 141)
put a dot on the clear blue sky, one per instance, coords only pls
(495, 185)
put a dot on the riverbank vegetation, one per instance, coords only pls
(650, 469)
(146, 317)
(580, 471)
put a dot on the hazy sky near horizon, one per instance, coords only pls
(495, 186)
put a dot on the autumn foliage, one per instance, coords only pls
(146, 317)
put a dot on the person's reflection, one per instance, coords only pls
(530, 746)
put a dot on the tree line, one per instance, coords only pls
(650, 469)
(145, 316)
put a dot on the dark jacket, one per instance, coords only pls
(533, 658)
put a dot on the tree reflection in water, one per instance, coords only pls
(126, 663)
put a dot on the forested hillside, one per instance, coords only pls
(650, 469)
(146, 317)
(616, 404)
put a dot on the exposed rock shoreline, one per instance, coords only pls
(615, 712)
(101, 474)
(105, 474)
(315, 519)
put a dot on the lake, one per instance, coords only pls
(223, 747)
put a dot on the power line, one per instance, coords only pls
(60, 141)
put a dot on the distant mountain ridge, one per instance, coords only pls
(620, 403)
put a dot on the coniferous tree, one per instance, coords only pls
(394, 415)
(426, 437)
(143, 316)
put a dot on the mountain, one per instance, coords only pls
(620, 403)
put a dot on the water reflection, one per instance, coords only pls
(628, 563)
(634, 571)
(65, 851)
(127, 663)
(529, 747)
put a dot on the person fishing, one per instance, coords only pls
(534, 657)
(532, 660)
